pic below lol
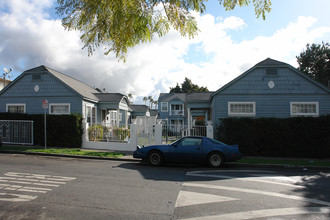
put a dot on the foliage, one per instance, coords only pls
(187, 86)
(121, 133)
(315, 62)
(122, 24)
(290, 137)
(96, 132)
(62, 130)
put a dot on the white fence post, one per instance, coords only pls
(158, 134)
(133, 135)
(85, 133)
(209, 130)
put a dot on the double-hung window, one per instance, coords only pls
(247, 109)
(59, 108)
(164, 106)
(16, 108)
(304, 108)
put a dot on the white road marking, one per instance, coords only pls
(28, 179)
(252, 179)
(9, 197)
(265, 213)
(260, 192)
(186, 198)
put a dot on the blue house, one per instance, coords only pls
(179, 109)
(172, 109)
(270, 89)
(65, 95)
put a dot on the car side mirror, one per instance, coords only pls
(175, 145)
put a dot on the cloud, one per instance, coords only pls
(31, 37)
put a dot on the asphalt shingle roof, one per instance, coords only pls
(80, 87)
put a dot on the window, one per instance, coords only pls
(176, 110)
(304, 108)
(241, 108)
(164, 106)
(113, 117)
(16, 108)
(90, 115)
(191, 142)
(59, 109)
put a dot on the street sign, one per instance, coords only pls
(45, 103)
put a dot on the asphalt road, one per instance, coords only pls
(35, 187)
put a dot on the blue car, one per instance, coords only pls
(189, 150)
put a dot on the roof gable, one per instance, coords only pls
(256, 81)
(167, 97)
(80, 87)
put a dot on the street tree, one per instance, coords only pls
(121, 24)
(315, 62)
(187, 86)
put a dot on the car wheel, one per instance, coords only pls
(155, 158)
(215, 159)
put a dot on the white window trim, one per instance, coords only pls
(161, 107)
(54, 104)
(243, 114)
(304, 114)
(16, 104)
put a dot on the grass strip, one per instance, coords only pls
(66, 151)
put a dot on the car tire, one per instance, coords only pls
(215, 159)
(155, 158)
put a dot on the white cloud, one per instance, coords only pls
(29, 38)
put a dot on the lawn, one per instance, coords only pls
(66, 151)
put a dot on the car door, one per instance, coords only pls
(187, 149)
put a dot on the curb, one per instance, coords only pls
(131, 159)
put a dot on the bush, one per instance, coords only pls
(289, 137)
(97, 132)
(62, 130)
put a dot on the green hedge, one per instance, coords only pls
(62, 130)
(289, 137)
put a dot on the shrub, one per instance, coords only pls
(62, 130)
(289, 137)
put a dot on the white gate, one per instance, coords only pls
(145, 130)
(16, 132)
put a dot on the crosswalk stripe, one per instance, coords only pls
(10, 197)
(186, 198)
(316, 201)
(265, 213)
(45, 183)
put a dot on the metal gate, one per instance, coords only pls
(16, 132)
(171, 133)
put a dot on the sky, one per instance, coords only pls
(229, 43)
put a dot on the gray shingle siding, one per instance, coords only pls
(290, 85)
